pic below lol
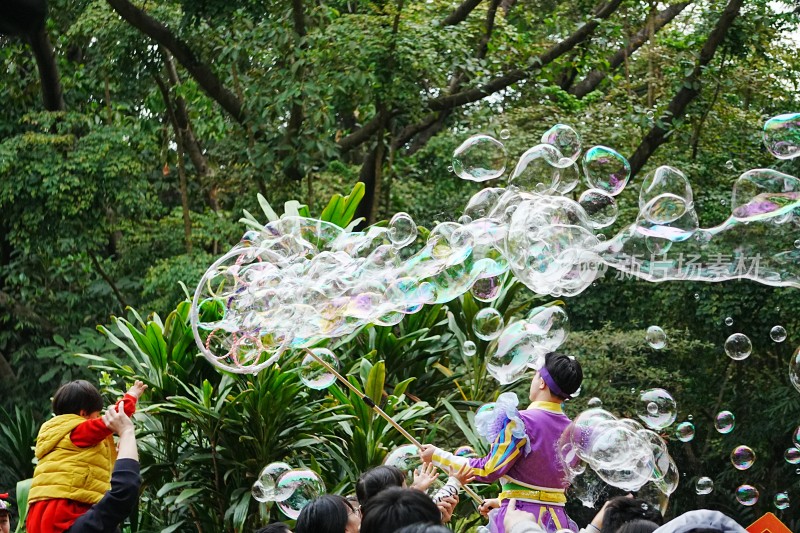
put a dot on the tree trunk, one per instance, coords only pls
(45, 55)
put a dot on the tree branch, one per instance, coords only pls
(688, 92)
(108, 280)
(516, 75)
(201, 72)
(662, 18)
(461, 13)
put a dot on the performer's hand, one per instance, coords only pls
(426, 453)
(514, 517)
(464, 475)
(487, 505)
(424, 476)
(446, 507)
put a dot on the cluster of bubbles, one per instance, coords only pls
(621, 452)
(290, 488)
(298, 282)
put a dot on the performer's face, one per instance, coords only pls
(537, 385)
(5, 523)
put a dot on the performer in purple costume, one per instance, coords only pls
(523, 454)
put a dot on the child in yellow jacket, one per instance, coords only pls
(76, 454)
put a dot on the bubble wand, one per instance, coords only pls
(380, 412)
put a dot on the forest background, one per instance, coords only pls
(134, 135)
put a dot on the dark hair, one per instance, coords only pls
(621, 510)
(377, 479)
(565, 370)
(424, 528)
(325, 514)
(393, 508)
(276, 527)
(638, 526)
(77, 396)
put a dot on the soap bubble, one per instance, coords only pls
(747, 495)
(782, 135)
(405, 457)
(304, 485)
(665, 195)
(763, 193)
(685, 431)
(794, 369)
(777, 334)
(402, 230)
(505, 134)
(487, 323)
(595, 402)
(469, 349)
(796, 437)
(657, 408)
(650, 114)
(265, 487)
(738, 346)
(743, 457)
(259, 493)
(728, 321)
(781, 500)
(486, 289)
(704, 485)
(724, 422)
(565, 139)
(729, 164)
(656, 337)
(314, 374)
(606, 169)
(792, 455)
(600, 206)
(539, 169)
(480, 158)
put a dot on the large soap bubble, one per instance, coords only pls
(402, 230)
(314, 374)
(480, 158)
(665, 195)
(600, 207)
(657, 408)
(606, 169)
(405, 457)
(304, 486)
(298, 282)
(656, 337)
(487, 323)
(782, 135)
(565, 139)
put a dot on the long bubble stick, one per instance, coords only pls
(367, 400)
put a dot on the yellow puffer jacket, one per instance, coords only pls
(67, 471)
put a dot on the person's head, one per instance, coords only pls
(329, 513)
(638, 526)
(377, 479)
(394, 508)
(5, 517)
(701, 521)
(622, 509)
(78, 397)
(560, 376)
(276, 527)
(424, 528)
